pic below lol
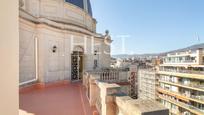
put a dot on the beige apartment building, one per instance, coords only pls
(147, 82)
(181, 82)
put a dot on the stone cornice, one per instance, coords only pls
(57, 24)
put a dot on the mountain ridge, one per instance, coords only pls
(192, 47)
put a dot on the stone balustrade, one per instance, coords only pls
(109, 99)
(110, 76)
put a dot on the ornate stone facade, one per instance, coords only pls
(50, 30)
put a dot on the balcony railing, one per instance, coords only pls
(181, 61)
(182, 53)
(192, 85)
(182, 71)
(183, 105)
(184, 96)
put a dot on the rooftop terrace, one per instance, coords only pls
(56, 99)
(100, 94)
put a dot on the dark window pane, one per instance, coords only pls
(89, 8)
(79, 3)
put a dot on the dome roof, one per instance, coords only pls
(83, 4)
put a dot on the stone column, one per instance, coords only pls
(94, 90)
(107, 95)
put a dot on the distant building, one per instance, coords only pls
(127, 106)
(147, 80)
(181, 82)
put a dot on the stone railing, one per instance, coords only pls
(91, 78)
(111, 76)
(107, 96)
(110, 101)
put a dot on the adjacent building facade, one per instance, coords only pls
(181, 82)
(58, 41)
(147, 80)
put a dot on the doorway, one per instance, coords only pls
(76, 66)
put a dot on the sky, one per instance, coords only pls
(150, 26)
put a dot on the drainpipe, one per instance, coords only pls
(36, 64)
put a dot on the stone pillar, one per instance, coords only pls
(107, 95)
(93, 91)
(110, 105)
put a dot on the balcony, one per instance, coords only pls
(182, 71)
(174, 94)
(181, 62)
(55, 99)
(190, 108)
(191, 75)
(183, 96)
(181, 54)
(193, 86)
(119, 77)
(65, 98)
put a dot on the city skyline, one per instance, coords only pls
(154, 27)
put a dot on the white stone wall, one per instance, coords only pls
(27, 52)
(53, 63)
(50, 26)
(54, 66)
(59, 10)
(88, 58)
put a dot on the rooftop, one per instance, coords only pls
(140, 105)
(61, 99)
(148, 105)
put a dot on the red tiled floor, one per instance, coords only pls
(69, 99)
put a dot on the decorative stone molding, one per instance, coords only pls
(59, 25)
(58, 11)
